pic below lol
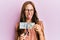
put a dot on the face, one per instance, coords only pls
(29, 11)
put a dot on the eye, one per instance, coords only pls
(29, 10)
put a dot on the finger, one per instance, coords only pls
(33, 25)
(21, 37)
(36, 29)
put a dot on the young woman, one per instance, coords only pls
(29, 15)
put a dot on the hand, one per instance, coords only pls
(24, 37)
(37, 28)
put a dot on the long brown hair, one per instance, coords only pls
(23, 17)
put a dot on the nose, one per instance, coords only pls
(29, 12)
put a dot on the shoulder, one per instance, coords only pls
(17, 24)
(40, 22)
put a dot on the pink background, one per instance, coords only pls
(48, 11)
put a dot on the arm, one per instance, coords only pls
(40, 29)
(16, 31)
(41, 33)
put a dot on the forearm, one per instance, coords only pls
(41, 35)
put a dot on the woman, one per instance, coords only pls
(29, 15)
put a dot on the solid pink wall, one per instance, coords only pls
(9, 13)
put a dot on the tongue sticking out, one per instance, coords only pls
(29, 17)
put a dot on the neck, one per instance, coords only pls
(28, 21)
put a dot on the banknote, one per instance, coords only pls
(25, 25)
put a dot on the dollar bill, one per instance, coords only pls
(25, 25)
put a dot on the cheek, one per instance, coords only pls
(25, 13)
(32, 13)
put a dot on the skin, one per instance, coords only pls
(29, 11)
(29, 14)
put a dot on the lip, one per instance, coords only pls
(29, 16)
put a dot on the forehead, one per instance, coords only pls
(29, 6)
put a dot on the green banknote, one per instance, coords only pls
(25, 25)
